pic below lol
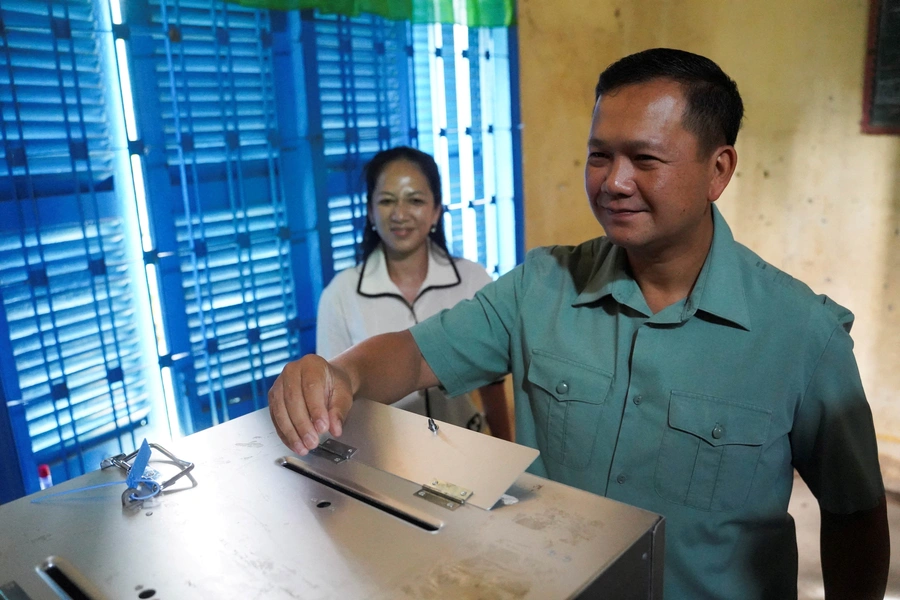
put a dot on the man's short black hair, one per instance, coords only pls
(714, 108)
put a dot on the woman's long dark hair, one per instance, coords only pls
(373, 170)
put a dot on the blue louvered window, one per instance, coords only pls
(442, 88)
(357, 80)
(464, 102)
(75, 385)
(221, 240)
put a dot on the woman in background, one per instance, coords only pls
(406, 275)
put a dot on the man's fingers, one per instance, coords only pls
(336, 417)
(317, 389)
(341, 401)
(280, 417)
(298, 394)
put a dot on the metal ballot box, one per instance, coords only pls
(395, 508)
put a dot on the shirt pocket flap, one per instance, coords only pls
(717, 421)
(568, 380)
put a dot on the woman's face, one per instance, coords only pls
(403, 209)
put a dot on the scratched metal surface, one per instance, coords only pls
(253, 529)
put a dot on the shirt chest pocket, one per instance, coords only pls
(567, 398)
(710, 451)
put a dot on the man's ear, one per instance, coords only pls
(722, 165)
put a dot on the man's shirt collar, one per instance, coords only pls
(719, 289)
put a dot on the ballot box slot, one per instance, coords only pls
(61, 582)
(355, 490)
(12, 591)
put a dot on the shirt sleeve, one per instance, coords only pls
(332, 332)
(833, 441)
(468, 346)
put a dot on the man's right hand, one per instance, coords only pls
(310, 397)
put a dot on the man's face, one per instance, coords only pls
(646, 181)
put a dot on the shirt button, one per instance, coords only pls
(562, 387)
(718, 431)
(621, 479)
(637, 399)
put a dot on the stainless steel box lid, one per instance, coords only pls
(254, 529)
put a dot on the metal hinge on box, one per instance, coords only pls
(443, 493)
(334, 450)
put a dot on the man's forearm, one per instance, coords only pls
(856, 553)
(385, 368)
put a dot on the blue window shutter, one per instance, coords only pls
(451, 132)
(75, 387)
(240, 328)
(219, 217)
(463, 101)
(73, 333)
(476, 133)
(359, 83)
(50, 146)
(422, 53)
(502, 204)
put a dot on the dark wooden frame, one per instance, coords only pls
(872, 47)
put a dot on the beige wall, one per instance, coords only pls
(811, 194)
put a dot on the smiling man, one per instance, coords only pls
(663, 365)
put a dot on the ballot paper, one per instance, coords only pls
(402, 443)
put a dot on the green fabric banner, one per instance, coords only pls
(472, 13)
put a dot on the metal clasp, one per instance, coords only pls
(126, 461)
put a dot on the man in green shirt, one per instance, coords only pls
(663, 365)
